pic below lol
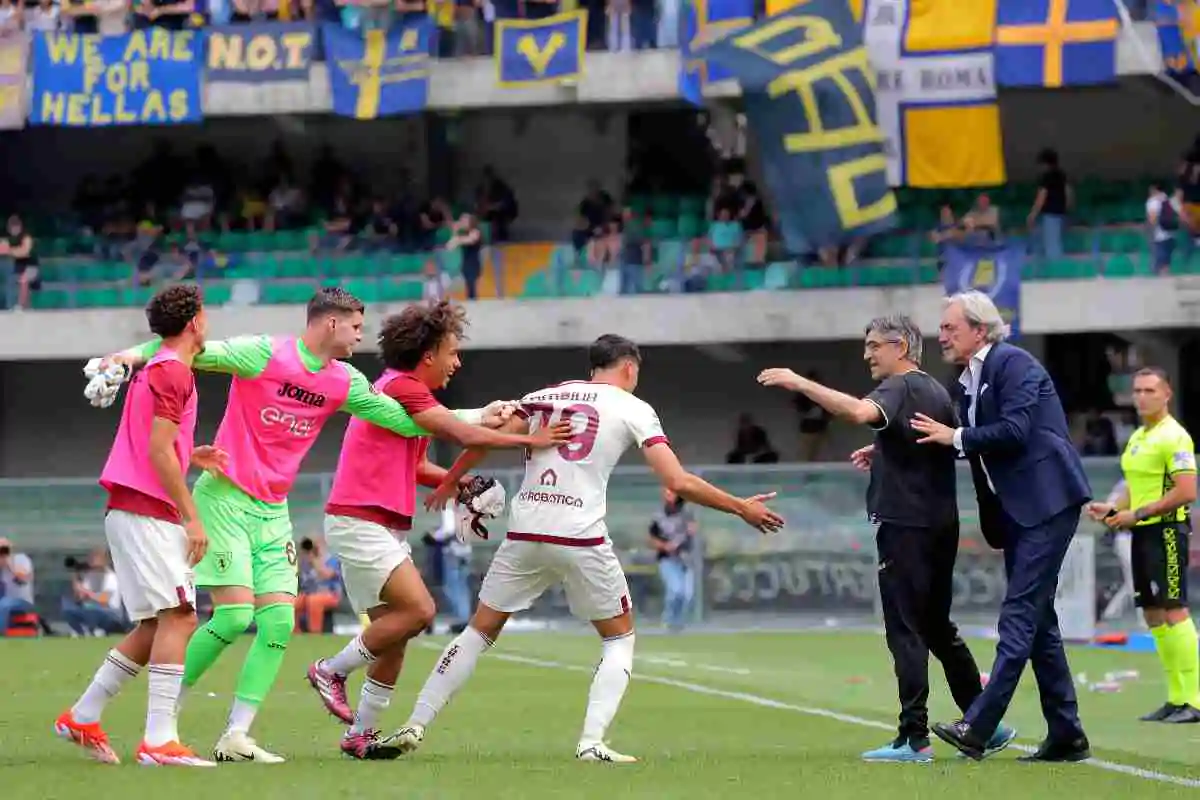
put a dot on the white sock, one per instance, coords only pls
(373, 701)
(114, 672)
(608, 688)
(354, 655)
(451, 671)
(241, 716)
(166, 680)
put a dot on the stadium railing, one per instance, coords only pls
(821, 567)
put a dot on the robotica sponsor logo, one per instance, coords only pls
(272, 416)
(550, 498)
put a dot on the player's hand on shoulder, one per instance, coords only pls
(861, 458)
(210, 459)
(779, 376)
(498, 412)
(756, 514)
(552, 436)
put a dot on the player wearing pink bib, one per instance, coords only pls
(557, 534)
(371, 506)
(282, 393)
(154, 534)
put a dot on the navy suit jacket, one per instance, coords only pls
(1021, 431)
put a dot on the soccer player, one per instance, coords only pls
(154, 535)
(283, 391)
(1159, 465)
(557, 534)
(371, 506)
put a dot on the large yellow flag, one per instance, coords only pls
(936, 90)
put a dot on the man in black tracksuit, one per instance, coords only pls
(912, 499)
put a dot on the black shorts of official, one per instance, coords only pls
(1160, 564)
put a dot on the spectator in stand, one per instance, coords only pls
(1162, 217)
(94, 604)
(469, 238)
(43, 17)
(12, 17)
(537, 9)
(320, 585)
(167, 14)
(105, 17)
(143, 252)
(20, 246)
(339, 229)
(1051, 204)
(1187, 194)
(436, 284)
(982, 222)
(751, 445)
(595, 209)
(631, 24)
(725, 238)
(497, 204)
(380, 232)
(286, 206)
(16, 584)
(197, 204)
(431, 218)
(947, 231)
(636, 251)
(755, 222)
(471, 29)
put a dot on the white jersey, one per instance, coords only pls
(565, 490)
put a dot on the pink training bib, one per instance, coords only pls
(378, 468)
(272, 420)
(128, 462)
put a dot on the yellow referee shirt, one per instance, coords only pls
(1152, 459)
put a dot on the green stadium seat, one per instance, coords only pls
(394, 291)
(1067, 269)
(286, 293)
(1076, 241)
(690, 227)
(368, 291)
(1121, 241)
(664, 228)
(217, 294)
(538, 285)
(50, 298)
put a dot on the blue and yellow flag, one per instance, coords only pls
(378, 74)
(1178, 23)
(936, 90)
(531, 52)
(807, 89)
(994, 269)
(702, 22)
(1055, 43)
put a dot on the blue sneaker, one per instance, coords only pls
(1001, 738)
(900, 751)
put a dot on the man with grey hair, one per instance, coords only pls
(1031, 487)
(912, 499)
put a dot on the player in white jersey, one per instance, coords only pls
(557, 534)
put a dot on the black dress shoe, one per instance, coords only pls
(1161, 713)
(1051, 751)
(959, 735)
(1185, 715)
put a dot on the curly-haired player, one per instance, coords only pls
(155, 536)
(371, 506)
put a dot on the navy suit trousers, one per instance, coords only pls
(1028, 630)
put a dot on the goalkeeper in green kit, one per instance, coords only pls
(283, 391)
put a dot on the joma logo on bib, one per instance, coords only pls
(294, 392)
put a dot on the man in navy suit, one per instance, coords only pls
(1031, 488)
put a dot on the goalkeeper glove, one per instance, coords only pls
(103, 384)
(479, 499)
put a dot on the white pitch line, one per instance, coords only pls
(766, 702)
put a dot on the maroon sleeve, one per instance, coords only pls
(412, 394)
(172, 384)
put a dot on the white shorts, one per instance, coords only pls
(592, 576)
(150, 558)
(368, 553)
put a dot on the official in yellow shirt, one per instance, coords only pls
(1159, 466)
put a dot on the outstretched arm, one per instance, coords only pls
(861, 411)
(666, 466)
(244, 356)
(467, 461)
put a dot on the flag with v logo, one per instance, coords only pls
(530, 52)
